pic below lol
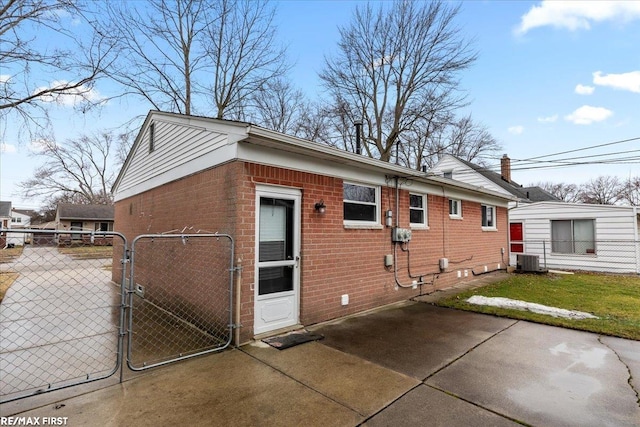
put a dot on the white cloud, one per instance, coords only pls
(7, 148)
(587, 114)
(39, 145)
(71, 97)
(550, 119)
(625, 81)
(584, 90)
(577, 15)
(516, 130)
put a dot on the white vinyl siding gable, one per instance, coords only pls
(463, 173)
(178, 150)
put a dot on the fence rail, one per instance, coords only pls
(609, 256)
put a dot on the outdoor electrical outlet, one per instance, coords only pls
(459, 274)
(466, 273)
(414, 284)
(345, 299)
(502, 251)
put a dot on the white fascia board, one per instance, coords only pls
(274, 149)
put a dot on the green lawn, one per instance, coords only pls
(614, 299)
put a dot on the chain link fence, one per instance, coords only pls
(607, 256)
(180, 297)
(61, 312)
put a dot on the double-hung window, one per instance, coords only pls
(360, 204)
(488, 217)
(418, 210)
(455, 208)
(574, 236)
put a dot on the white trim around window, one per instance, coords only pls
(455, 208)
(488, 217)
(418, 211)
(361, 205)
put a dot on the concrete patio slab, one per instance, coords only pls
(353, 382)
(416, 339)
(229, 388)
(544, 375)
(427, 406)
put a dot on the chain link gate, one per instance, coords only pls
(61, 319)
(180, 297)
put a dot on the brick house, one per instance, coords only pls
(322, 233)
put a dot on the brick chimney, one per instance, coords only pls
(505, 168)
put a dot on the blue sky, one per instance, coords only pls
(550, 77)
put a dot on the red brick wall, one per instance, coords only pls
(335, 260)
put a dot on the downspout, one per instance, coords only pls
(236, 331)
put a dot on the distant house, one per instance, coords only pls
(71, 217)
(20, 218)
(5, 221)
(317, 228)
(452, 167)
(577, 236)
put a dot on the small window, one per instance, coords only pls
(576, 236)
(448, 174)
(360, 203)
(152, 137)
(455, 208)
(417, 210)
(104, 226)
(488, 216)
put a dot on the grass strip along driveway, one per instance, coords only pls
(615, 300)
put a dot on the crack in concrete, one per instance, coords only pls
(630, 379)
(470, 350)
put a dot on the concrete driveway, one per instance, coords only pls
(58, 321)
(410, 364)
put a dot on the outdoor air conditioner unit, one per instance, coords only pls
(528, 263)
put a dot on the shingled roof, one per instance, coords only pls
(67, 211)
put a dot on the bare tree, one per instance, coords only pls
(160, 50)
(279, 106)
(630, 191)
(569, 193)
(81, 169)
(244, 53)
(394, 65)
(34, 74)
(193, 56)
(603, 190)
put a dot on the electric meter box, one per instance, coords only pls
(402, 235)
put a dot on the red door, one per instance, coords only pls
(515, 233)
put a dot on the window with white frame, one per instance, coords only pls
(574, 236)
(488, 216)
(418, 210)
(448, 174)
(360, 203)
(455, 208)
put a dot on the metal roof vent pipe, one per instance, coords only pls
(358, 126)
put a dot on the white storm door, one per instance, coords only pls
(277, 273)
